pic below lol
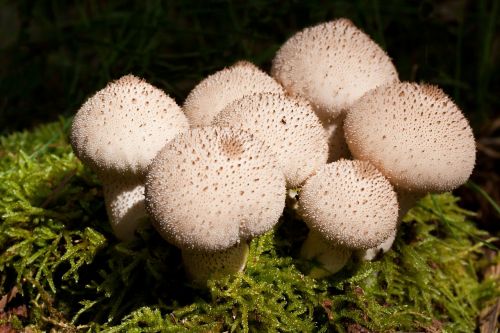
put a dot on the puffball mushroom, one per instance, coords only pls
(332, 65)
(414, 134)
(215, 92)
(212, 189)
(288, 125)
(117, 132)
(350, 205)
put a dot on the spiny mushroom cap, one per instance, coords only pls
(350, 203)
(215, 92)
(332, 64)
(414, 134)
(211, 187)
(288, 125)
(122, 127)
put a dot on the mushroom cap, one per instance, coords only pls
(332, 64)
(121, 128)
(350, 203)
(215, 92)
(288, 125)
(414, 134)
(211, 188)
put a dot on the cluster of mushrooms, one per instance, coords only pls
(332, 127)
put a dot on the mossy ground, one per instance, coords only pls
(73, 275)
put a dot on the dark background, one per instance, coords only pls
(54, 54)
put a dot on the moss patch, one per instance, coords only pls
(57, 249)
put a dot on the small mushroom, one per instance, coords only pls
(215, 92)
(213, 189)
(351, 205)
(414, 134)
(332, 65)
(117, 132)
(406, 200)
(288, 125)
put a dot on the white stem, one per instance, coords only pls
(201, 266)
(330, 257)
(124, 198)
(370, 254)
(406, 201)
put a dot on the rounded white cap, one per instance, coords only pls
(414, 134)
(122, 127)
(332, 64)
(288, 125)
(211, 188)
(350, 203)
(215, 92)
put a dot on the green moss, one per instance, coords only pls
(57, 248)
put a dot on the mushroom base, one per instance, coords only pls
(202, 266)
(125, 205)
(370, 254)
(330, 258)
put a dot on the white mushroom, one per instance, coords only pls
(211, 189)
(332, 65)
(288, 125)
(117, 132)
(414, 134)
(215, 92)
(351, 205)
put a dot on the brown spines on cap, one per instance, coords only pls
(120, 129)
(211, 188)
(288, 125)
(350, 203)
(332, 64)
(414, 134)
(215, 92)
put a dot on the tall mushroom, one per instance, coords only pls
(288, 125)
(117, 132)
(416, 136)
(347, 205)
(215, 92)
(209, 191)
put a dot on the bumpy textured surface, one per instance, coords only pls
(201, 265)
(332, 64)
(215, 92)
(211, 187)
(350, 203)
(414, 134)
(290, 127)
(122, 127)
(124, 198)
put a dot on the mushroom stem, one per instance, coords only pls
(330, 258)
(201, 266)
(371, 253)
(406, 201)
(124, 198)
